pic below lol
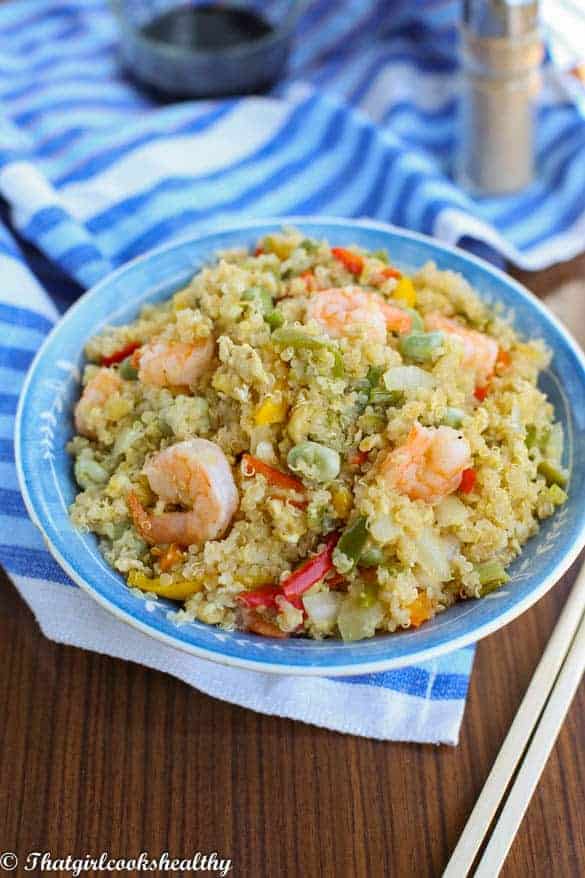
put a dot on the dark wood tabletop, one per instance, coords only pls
(98, 755)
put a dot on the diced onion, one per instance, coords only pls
(383, 529)
(407, 378)
(356, 622)
(323, 607)
(451, 511)
(433, 554)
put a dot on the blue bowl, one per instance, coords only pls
(47, 484)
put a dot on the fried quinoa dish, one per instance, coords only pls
(304, 441)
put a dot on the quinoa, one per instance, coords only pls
(279, 381)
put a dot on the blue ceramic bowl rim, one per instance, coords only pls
(290, 663)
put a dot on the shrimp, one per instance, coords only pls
(195, 474)
(480, 352)
(340, 310)
(174, 364)
(104, 383)
(429, 465)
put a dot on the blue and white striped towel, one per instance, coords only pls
(92, 173)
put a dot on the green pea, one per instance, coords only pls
(274, 319)
(291, 337)
(314, 461)
(421, 346)
(453, 417)
(127, 370)
(382, 255)
(309, 245)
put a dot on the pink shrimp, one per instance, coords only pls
(340, 310)
(195, 474)
(480, 352)
(429, 465)
(104, 383)
(174, 364)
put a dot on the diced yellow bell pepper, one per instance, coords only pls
(279, 245)
(341, 500)
(405, 292)
(176, 591)
(421, 609)
(270, 412)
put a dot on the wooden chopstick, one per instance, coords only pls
(515, 745)
(535, 759)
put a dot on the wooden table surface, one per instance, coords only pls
(100, 755)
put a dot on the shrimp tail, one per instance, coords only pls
(140, 517)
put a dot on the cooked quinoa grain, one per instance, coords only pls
(305, 442)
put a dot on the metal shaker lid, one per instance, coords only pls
(500, 18)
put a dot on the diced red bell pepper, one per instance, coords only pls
(255, 466)
(480, 393)
(391, 272)
(301, 579)
(468, 479)
(260, 597)
(120, 355)
(259, 251)
(266, 597)
(352, 261)
(357, 458)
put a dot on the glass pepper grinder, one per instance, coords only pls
(501, 53)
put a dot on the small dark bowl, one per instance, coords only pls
(248, 67)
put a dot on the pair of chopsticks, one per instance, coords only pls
(527, 746)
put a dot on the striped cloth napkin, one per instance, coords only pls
(93, 172)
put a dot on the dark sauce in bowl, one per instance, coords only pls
(207, 27)
(208, 50)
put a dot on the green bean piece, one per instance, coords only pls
(353, 540)
(373, 556)
(491, 576)
(368, 595)
(385, 397)
(338, 365)
(382, 255)
(421, 346)
(453, 417)
(291, 337)
(314, 461)
(554, 475)
(374, 375)
(127, 370)
(531, 436)
(417, 321)
(274, 319)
